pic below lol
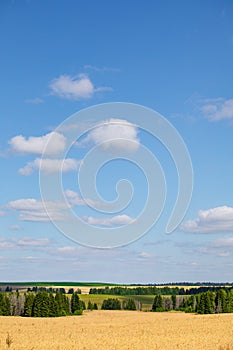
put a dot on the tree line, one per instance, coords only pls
(152, 290)
(53, 290)
(44, 304)
(40, 304)
(208, 302)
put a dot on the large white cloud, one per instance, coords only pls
(74, 88)
(30, 209)
(50, 166)
(114, 135)
(35, 145)
(219, 219)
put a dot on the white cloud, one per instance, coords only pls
(74, 199)
(101, 69)
(118, 220)
(30, 209)
(144, 255)
(17, 243)
(34, 101)
(217, 109)
(74, 88)
(223, 242)
(15, 228)
(32, 242)
(219, 219)
(2, 213)
(50, 166)
(114, 135)
(35, 145)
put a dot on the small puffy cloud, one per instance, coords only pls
(50, 166)
(217, 109)
(2, 213)
(118, 220)
(35, 145)
(30, 209)
(219, 219)
(114, 135)
(74, 88)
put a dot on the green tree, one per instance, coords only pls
(28, 304)
(90, 305)
(111, 304)
(41, 307)
(95, 306)
(4, 305)
(201, 304)
(173, 297)
(75, 303)
(129, 304)
(158, 303)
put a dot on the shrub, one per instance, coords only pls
(78, 312)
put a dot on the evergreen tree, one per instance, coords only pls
(90, 305)
(129, 304)
(158, 303)
(111, 304)
(75, 303)
(95, 306)
(173, 297)
(41, 307)
(201, 304)
(28, 305)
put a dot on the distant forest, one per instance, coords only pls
(151, 290)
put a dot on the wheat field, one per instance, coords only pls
(118, 330)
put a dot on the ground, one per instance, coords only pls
(111, 330)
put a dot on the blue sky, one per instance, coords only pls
(58, 58)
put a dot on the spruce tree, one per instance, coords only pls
(75, 303)
(158, 303)
(28, 305)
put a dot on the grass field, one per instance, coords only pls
(145, 300)
(119, 330)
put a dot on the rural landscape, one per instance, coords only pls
(88, 315)
(116, 148)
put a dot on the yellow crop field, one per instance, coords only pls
(118, 330)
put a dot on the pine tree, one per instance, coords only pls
(173, 297)
(129, 304)
(90, 305)
(28, 305)
(201, 304)
(95, 306)
(41, 305)
(158, 303)
(75, 303)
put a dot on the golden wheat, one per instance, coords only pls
(111, 330)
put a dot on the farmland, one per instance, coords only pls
(119, 330)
